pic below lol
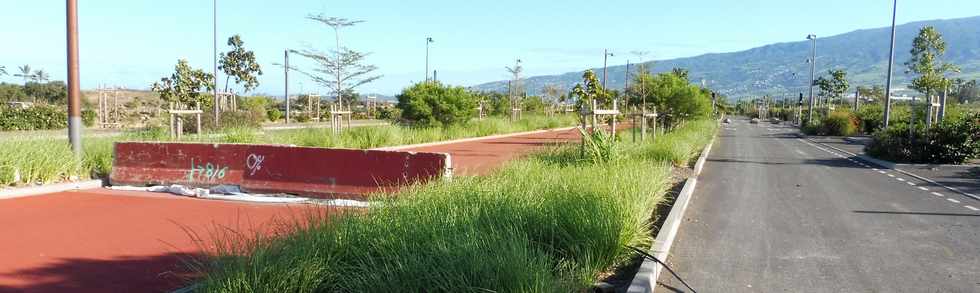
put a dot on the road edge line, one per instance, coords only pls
(49, 189)
(470, 139)
(645, 280)
(894, 166)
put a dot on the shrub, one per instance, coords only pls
(950, 142)
(434, 104)
(871, 117)
(33, 118)
(89, 117)
(274, 115)
(840, 123)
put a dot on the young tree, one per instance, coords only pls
(240, 63)
(590, 89)
(876, 92)
(834, 87)
(516, 88)
(185, 85)
(340, 69)
(3, 70)
(926, 62)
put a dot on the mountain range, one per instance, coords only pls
(781, 68)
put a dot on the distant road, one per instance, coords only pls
(99, 132)
(775, 213)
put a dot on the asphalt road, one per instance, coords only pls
(775, 213)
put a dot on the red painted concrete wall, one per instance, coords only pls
(319, 172)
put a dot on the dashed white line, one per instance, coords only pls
(953, 200)
(923, 188)
(937, 194)
(882, 172)
(910, 183)
(972, 208)
(891, 175)
(900, 179)
(876, 169)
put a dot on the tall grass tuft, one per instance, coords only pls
(553, 222)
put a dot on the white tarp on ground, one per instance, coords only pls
(233, 193)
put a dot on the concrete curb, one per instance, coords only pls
(47, 189)
(646, 278)
(438, 143)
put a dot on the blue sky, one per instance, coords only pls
(134, 43)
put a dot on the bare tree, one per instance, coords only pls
(341, 69)
(515, 87)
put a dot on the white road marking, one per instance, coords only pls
(900, 179)
(891, 175)
(972, 208)
(923, 188)
(876, 169)
(910, 183)
(953, 200)
(882, 172)
(937, 194)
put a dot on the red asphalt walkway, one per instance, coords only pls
(114, 241)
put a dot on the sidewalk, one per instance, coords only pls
(965, 178)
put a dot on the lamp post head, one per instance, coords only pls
(430, 40)
(811, 37)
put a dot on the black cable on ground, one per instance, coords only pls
(653, 258)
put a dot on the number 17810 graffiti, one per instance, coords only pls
(205, 172)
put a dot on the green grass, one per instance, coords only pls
(47, 159)
(553, 222)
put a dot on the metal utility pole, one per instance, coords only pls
(813, 63)
(74, 88)
(942, 105)
(427, 42)
(215, 87)
(891, 60)
(605, 63)
(857, 100)
(286, 74)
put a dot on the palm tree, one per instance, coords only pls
(41, 76)
(25, 73)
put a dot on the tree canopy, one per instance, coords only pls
(926, 62)
(240, 64)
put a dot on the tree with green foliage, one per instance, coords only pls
(41, 76)
(54, 92)
(3, 70)
(965, 91)
(682, 73)
(240, 64)
(835, 86)
(433, 104)
(185, 86)
(876, 92)
(25, 73)
(926, 62)
(591, 89)
(674, 97)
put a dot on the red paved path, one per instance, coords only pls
(112, 241)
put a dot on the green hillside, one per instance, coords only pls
(780, 69)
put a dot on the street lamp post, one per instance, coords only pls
(605, 63)
(427, 42)
(813, 63)
(74, 88)
(214, 89)
(891, 60)
(286, 74)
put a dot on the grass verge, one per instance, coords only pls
(552, 222)
(49, 160)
